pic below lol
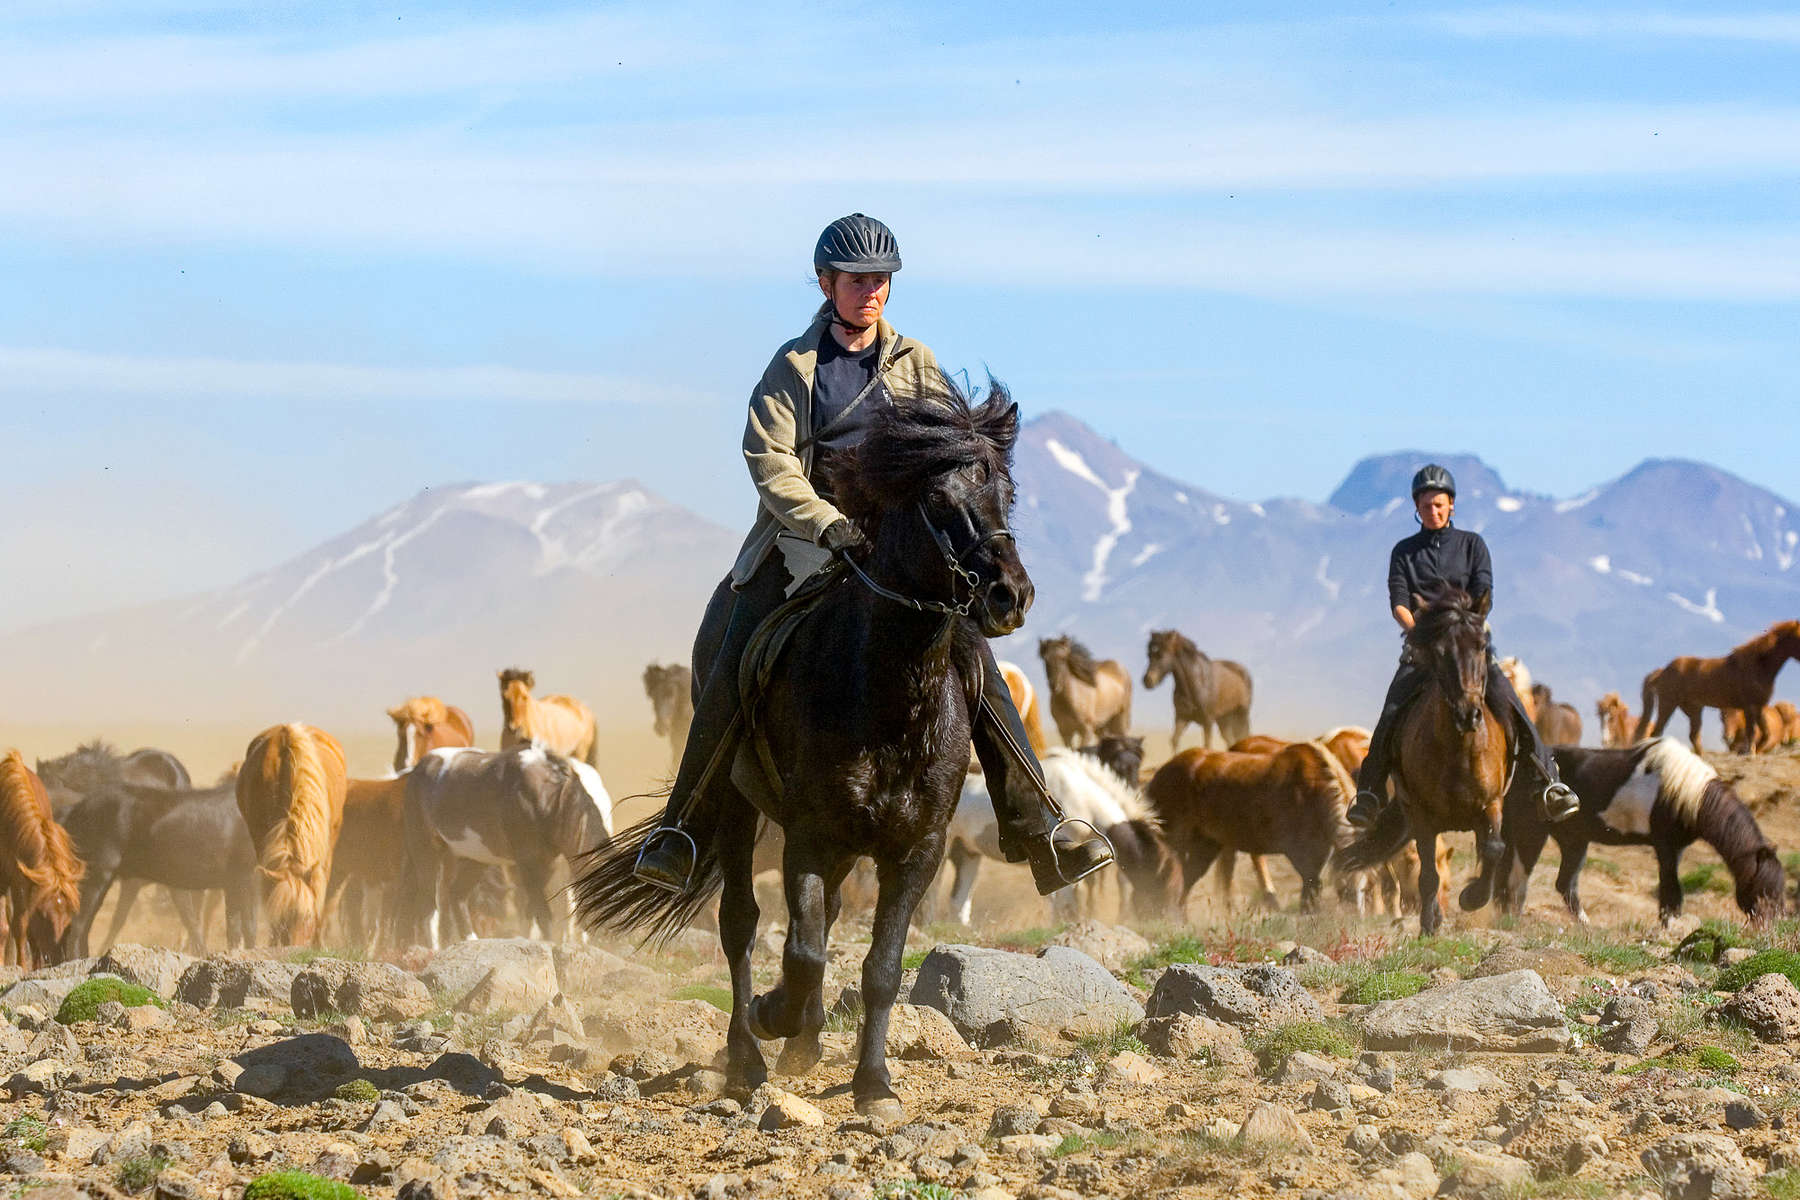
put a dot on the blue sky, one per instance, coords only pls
(273, 266)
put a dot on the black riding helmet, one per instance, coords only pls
(1433, 478)
(857, 244)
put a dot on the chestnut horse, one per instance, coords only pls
(291, 792)
(1790, 722)
(1744, 679)
(1519, 675)
(1557, 723)
(671, 692)
(1450, 771)
(1025, 699)
(1768, 733)
(364, 867)
(39, 872)
(425, 723)
(1208, 691)
(1615, 722)
(1087, 698)
(561, 724)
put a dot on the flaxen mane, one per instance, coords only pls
(291, 792)
(34, 847)
(1686, 779)
(421, 710)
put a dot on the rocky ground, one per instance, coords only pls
(1252, 1054)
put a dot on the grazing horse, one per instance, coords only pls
(1087, 698)
(1658, 794)
(1790, 722)
(1450, 768)
(1744, 679)
(1558, 723)
(562, 724)
(671, 692)
(1767, 734)
(291, 792)
(1208, 691)
(94, 764)
(188, 840)
(425, 723)
(1615, 722)
(1214, 804)
(523, 807)
(1121, 754)
(40, 875)
(865, 718)
(1024, 698)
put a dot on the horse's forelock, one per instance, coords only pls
(914, 440)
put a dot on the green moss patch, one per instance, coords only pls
(299, 1185)
(1709, 1059)
(358, 1090)
(86, 998)
(1274, 1048)
(1763, 962)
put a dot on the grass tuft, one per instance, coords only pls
(1713, 1060)
(1763, 962)
(1277, 1045)
(906, 1189)
(358, 1091)
(298, 1185)
(138, 1173)
(1118, 1039)
(1374, 986)
(712, 993)
(1707, 877)
(27, 1130)
(85, 999)
(1783, 1185)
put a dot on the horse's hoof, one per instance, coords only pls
(800, 1055)
(758, 1029)
(1473, 897)
(881, 1108)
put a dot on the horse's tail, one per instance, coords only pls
(1380, 842)
(609, 895)
(294, 785)
(1649, 713)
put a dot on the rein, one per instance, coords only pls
(952, 559)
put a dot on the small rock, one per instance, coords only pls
(788, 1111)
(1508, 1012)
(44, 1075)
(1413, 1174)
(1363, 1139)
(1465, 1079)
(579, 1149)
(1744, 1114)
(1330, 1096)
(264, 1079)
(1272, 1124)
(1627, 1025)
(1700, 1166)
(387, 1114)
(1480, 1173)
(1129, 1069)
(1011, 1119)
(616, 1089)
(1769, 1006)
(1304, 1067)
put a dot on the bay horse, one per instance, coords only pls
(1658, 794)
(1743, 679)
(371, 843)
(523, 807)
(1087, 698)
(1615, 722)
(1215, 804)
(1208, 691)
(1450, 768)
(1557, 723)
(562, 724)
(40, 874)
(1025, 699)
(1767, 734)
(671, 692)
(424, 723)
(291, 792)
(865, 716)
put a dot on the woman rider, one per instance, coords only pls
(814, 401)
(1438, 555)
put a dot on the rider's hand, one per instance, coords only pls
(845, 540)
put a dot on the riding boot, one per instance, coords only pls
(1556, 799)
(1372, 776)
(1032, 825)
(670, 851)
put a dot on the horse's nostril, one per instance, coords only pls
(1000, 598)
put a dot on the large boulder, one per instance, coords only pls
(1768, 1006)
(376, 991)
(154, 967)
(1701, 1166)
(1060, 990)
(42, 992)
(490, 975)
(230, 982)
(308, 1066)
(1243, 997)
(1510, 1012)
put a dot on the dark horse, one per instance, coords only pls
(671, 692)
(866, 718)
(1208, 691)
(1658, 794)
(1450, 768)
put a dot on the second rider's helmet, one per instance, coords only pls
(1433, 478)
(857, 244)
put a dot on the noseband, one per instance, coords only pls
(953, 559)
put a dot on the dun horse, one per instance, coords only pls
(424, 724)
(1087, 698)
(562, 724)
(39, 872)
(671, 692)
(1658, 794)
(865, 718)
(1615, 722)
(1451, 767)
(1558, 723)
(1208, 691)
(291, 792)
(1743, 679)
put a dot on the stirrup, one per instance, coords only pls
(1111, 854)
(1558, 801)
(654, 837)
(1365, 806)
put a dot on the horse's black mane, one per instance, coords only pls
(1081, 662)
(1447, 606)
(913, 440)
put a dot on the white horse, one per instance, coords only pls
(1087, 791)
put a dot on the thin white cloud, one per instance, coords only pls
(1770, 27)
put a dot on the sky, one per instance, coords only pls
(271, 267)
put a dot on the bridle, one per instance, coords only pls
(953, 559)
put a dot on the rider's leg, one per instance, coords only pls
(1556, 799)
(1031, 824)
(667, 857)
(1371, 777)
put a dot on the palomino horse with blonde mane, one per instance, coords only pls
(291, 792)
(39, 872)
(1615, 721)
(424, 724)
(1743, 679)
(1024, 698)
(1087, 698)
(561, 724)
(1450, 769)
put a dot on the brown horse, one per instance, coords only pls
(1450, 770)
(1087, 698)
(425, 723)
(1557, 723)
(291, 792)
(1790, 722)
(1744, 679)
(671, 692)
(1024, 698)
(563, 724)
(1615, 721)
(1767, 734)
(1213, 804)
(1208, 691)
(39, 872)
(370, 843)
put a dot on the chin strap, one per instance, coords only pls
(843, 324)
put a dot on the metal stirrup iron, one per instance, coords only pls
(694, 858)
(1058, 828)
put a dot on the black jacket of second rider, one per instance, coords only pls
(1429, 559)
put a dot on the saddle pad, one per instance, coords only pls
(763, 654)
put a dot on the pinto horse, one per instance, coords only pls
(425, 723)
(671, 692)
(1450, 769)
(1087, 698)
(291, 792)
(561, 724)
(865, 718)
(1615, 721)
(39, 872)
(1208, 691)
(1744, 679)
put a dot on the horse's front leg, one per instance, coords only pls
(1261, 863)
(1492, 848)
(1568, 879)
(901, 884)
(1431, 916)
(1668, 882)
(736, 840)
(802, 1051)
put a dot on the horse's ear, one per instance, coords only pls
(1484, 603)
(396, 713)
